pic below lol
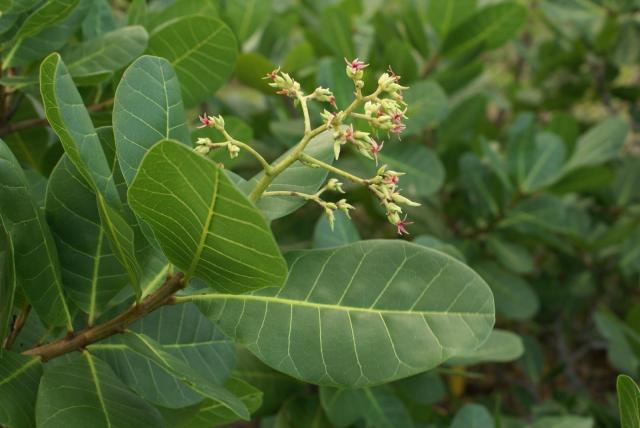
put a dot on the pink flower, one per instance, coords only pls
(375, 149)
(204, 119)
(393, 74)
(401, 226)
(356, 65)
(332, 101)
(348, 133)
(392, 179)
(272, 75)
(398, 128)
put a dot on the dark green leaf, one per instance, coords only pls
(7, 281)
(473, 416)
(628, 402)
(446, 15)
(19, 379)
(599, 145)
(247, 16)
(344, 232)
(428, 105)
(424, 171)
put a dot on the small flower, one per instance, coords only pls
(401, 226)
(233, 150)
(375, 149)
(397, 197)
(335, 185)
(345, 207)
(202, 150)
(356, 65)
(205, 120)
(272, 74)
(397, 128)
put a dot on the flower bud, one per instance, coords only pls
(233, 150)
(335, 185)
(202, 149)
(397, 197)
(345, 207)
(330, 217)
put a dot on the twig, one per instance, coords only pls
(77, 341)
(17, 327)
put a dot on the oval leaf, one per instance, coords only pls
(202, 50)
(361, 314)
(205, 226)
(19, 379)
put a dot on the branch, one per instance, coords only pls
(263, 162)
(77, 341)
(313, 161)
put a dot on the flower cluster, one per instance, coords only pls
(385, 186)
(285, 85)
(362, 141)
(205, 145)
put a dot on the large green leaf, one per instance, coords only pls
(360, 314)
(425, 173)
(19, 379)
(298, 177)
(515, 299)
(247, 16)
(7, 281)
(36, 258)
(206, 227)
(50, 39)
(446, 15)
(49, 13)
(202, 50)
(488, 28)
(185, 334)
(179, 8)
(628, 402)
(95, 60)
(599, 145)
(147, 108)
(69, 118)
(378, 406)
(84, 391)
(99, 20)
(91, 272)
(472, 416)
(501, 346)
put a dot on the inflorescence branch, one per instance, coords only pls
(383, 110)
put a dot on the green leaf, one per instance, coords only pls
(250, 69)
(202, 50)
(599, 145)
(99, 20)
(344, 231)
(399, 53)
(185, 334)
(336, 32)
(147, 108)
(276, 386)
(425, 388)
(7, 282)
(486, 29)
(501, 347)
(428, 105)
(515, 299)
(213, 414)
(19, 379)
(472, 416)
(628, 402)
(621, 341)
(566, 421)
(136, 12)
(344, 316)
(425, 173)
(543, 164)
(446, 15)
(378, 406)
(151, 350)
(95, 60)
(206, 227)
(91, 272)
(36, 258)
(48, 14)
(247, 16)
(298, 177)
(69, 118)
(86, 389)
(432, 242)
(180, 8)
(50, 39)
(511, 255)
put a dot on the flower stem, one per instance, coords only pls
(313, 161)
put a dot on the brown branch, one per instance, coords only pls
(77, 341)
(17, 326)
(35, 122)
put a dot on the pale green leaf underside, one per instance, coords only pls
(202, 50)
(500, 347)
(205, 226)
(85, 392)
(361, 314)
(36, 258)
(19, 379)
(147, 108)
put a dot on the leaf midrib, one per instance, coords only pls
(285, 301)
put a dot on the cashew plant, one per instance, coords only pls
(128, 284)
